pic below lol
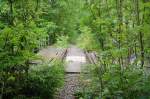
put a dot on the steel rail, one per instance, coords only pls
(90, 58)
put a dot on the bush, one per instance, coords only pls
(87, 39)
(41, 82)
(131, 83)
(62, 41)
(44, 80)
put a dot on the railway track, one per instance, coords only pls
(60, 56)
(72, 80)
(91, 57)
(47, 57)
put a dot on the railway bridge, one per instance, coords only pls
(75, 61)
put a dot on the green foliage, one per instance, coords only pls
(118, 29)
(87, 40)
(41, 81)
(130, 83)
(62, 42)
(44, 80)
(121, 29)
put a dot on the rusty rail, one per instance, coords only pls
(91, 57)
(61, 56)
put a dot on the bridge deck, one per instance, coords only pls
(75, 60)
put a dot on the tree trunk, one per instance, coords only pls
(140, 33)
(10, 12)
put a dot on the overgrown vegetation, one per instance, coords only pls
(121, 29)
(87, 38)
(62, 42)
(25, 27)
(118, 30)
(111, 83)
(42, 81)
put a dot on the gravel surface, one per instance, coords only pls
(75, 60)
(70, 87)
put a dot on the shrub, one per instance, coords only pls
(131, 83)
(44, 80)
(87, 40)
(62, 41)
(41, 82)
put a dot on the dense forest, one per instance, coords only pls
(117, 30)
